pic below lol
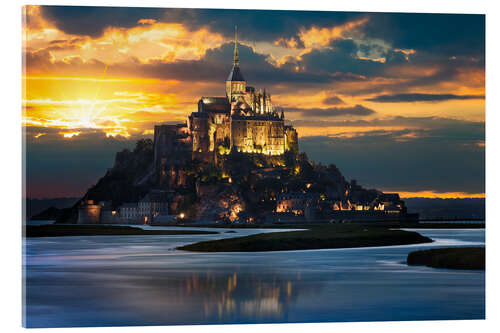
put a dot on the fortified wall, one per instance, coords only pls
(89, 212)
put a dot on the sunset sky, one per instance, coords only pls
(396, 101)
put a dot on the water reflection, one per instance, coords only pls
(217, 297)
(138, 280)
(232, 297)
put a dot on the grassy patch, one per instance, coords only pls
(56, 230)
(319, 237)
(454, 258)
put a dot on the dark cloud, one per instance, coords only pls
(330, 123)
(450, 34)
(415, 97)
(446, 71)
(213, 67)
(61, 44)
(39, 62)
(92, 21)
(447, 34)
(431, 160)
(400, 68)
(436, 38)
(341, 58)
(333, 100)
(432, 153)
(216, 64)
(357, 110)
(333, 66)
(468, 130)
(255, 25)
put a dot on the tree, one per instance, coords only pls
(143, 145)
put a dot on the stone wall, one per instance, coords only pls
(258, 135)
(291, 139)
(109, 217)
(89, 213)
(199, 131)
(172, 147)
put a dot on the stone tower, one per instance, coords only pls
(235, 83)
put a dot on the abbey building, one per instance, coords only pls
(244, 120)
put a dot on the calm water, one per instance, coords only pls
(458, 221)
(38, 222)
(142, 280)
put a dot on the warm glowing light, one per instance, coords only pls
(442, 195)
(69, 135)
(181, 215)
(39, 135)
(115, 106)
(115, 132)
(381, 59)
(318, 37)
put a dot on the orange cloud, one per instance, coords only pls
(146, 21)
(149, 41)
(285, 50)
(344, 132)
(442, 195)
(315, 37)
(116, 106)
(80, 95)
(69, 135)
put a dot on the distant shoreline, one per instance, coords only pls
(60, 230)
(451, 220)
(395, 225)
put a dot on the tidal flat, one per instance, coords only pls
(451, 258)
(330, 236)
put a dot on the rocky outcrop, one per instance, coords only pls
(51, 213)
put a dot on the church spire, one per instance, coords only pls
(236, 60)
(235, 74)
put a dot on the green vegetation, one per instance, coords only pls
(317, 237)
(453, 258)
(56, 230)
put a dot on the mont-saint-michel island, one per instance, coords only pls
(233, 161)
(207, 166)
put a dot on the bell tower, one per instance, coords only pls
(235, 83)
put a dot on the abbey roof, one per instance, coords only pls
(235, 74)
(214, 104)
